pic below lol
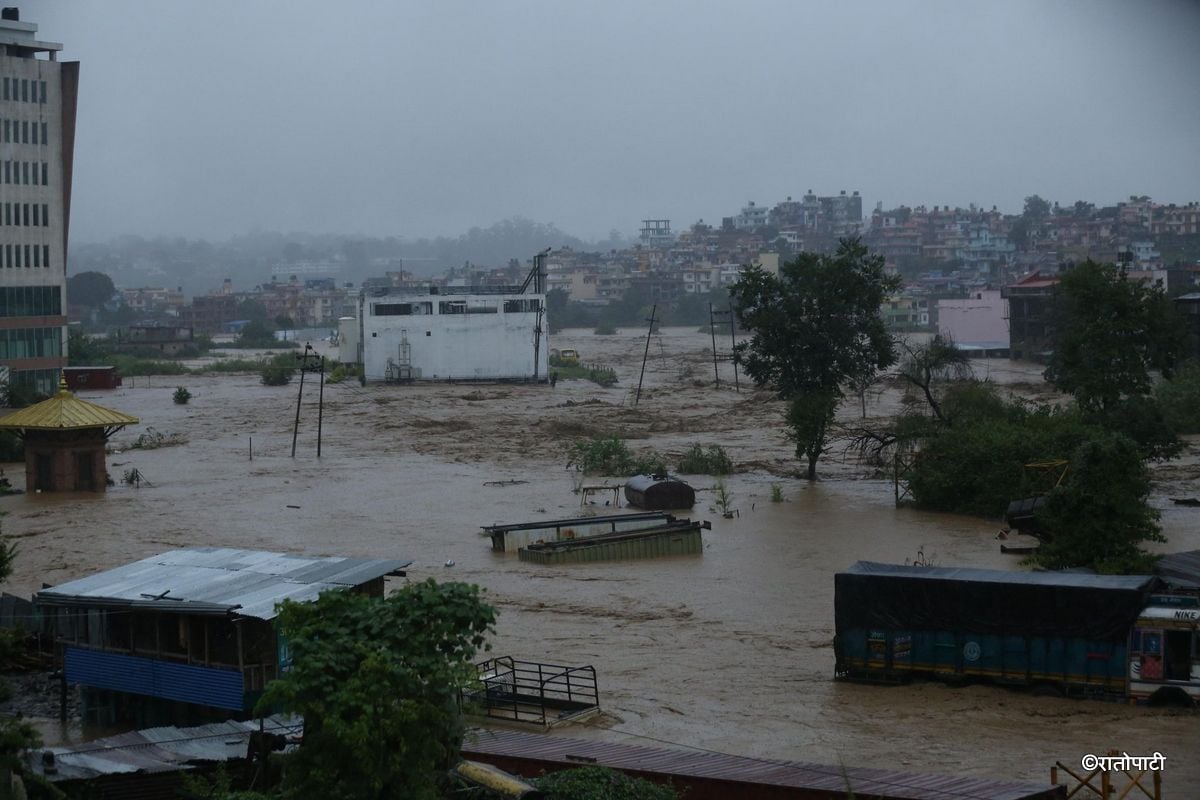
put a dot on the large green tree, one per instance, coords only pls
(91, 289)
(814, 328)
(1109, 333)
(377, 682)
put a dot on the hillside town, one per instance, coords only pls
(812, 500)
(974, 275)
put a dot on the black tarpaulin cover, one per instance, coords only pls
(987, 601)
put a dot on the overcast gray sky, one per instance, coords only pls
(427, 117)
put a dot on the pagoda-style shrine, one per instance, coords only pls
(64, 442)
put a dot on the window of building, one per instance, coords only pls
(7, 131)
(25, 172)
(45, 215)
(522, 305)
(8, 213)
(37, 222)
(401, 309)
(24, 132)
(30, 301)
(37, 256)
(8, 172)
(45, 133)
(6, 88)
(8, 255)
(24, 90)
(27, 254)
(42, 99)
(45, 173)
(45, 255)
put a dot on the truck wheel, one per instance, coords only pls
(1171, 696)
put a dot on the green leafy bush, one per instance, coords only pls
(341, 372)
(182, 395)
(712, 460)
(608, 455)
(277, 374)
(1179, 399)
(600, 783)
(605, 329)
(1099, 516)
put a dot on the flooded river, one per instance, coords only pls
(730, 651)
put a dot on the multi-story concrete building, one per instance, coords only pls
(37, 142)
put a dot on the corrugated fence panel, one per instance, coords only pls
(207, 686)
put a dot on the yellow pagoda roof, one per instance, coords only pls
(65, 411)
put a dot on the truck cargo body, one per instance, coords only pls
(1070, 631)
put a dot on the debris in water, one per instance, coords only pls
(290, 506)
(449, 562)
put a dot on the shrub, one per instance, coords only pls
(1099, 517)
(182, 395)
(979, 467)
(776, 493)
(711, 461)
(608, 455)
(341, 372)
(600, 783)
(276, 374)
(605, 329)
(1179, 399)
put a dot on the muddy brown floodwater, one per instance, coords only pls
(730, 651)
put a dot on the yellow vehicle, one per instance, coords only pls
(566, 356)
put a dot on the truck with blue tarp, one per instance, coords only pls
(1072, 633)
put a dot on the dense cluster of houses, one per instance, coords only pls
(962, 267)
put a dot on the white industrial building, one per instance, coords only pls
(451, 333)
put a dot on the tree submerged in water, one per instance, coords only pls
(815, 328)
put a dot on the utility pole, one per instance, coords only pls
(712, 327)
(646, 354)
(733, 348)
(310, 362)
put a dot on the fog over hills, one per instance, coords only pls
(419, 120)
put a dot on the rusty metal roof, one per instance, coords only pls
(156, 749)
(740, 770)
(64, 411)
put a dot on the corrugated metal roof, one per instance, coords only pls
(864, 782)
(1180, 569)
(156, 749)
(65, 411)
(1076, 579)
(219, 580)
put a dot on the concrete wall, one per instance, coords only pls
(456, 346)
(975, 319)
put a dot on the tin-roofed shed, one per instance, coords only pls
(64, 442)
(190, 626)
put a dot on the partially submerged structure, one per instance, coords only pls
(453, 333)
(511, 538)
(533, 692)
(659, 492)
(188, 635)
(675, 538)
(64, 442)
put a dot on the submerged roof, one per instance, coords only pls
(218, 580)
(64, 411)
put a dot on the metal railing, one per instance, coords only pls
(529, 691)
